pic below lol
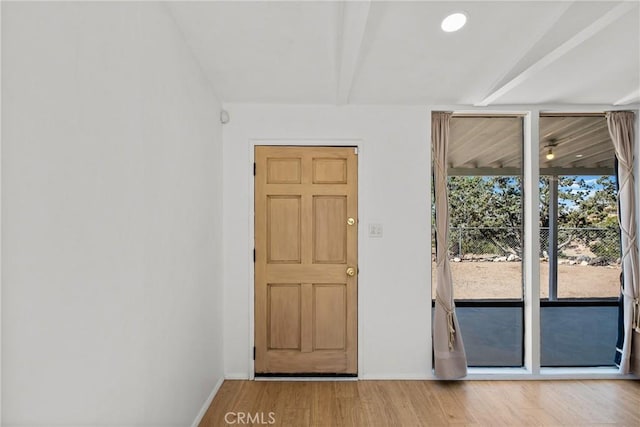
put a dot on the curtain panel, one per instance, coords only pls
(620, 125)
(448, 348)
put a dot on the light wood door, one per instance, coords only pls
(306, 231)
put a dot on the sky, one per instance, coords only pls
(589, 181)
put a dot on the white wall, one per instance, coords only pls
(394, 280)
(111, 244)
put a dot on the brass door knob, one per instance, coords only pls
(351, 271)
(351, 221)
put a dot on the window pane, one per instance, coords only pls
(493, 336)
(485, 207)
(586, 233)
(578, 335)
(485, 237)
(588, 238)
(579, 242)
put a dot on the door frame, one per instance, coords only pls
(299, 142)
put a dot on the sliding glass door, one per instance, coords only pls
(579, 242)
(486, 236)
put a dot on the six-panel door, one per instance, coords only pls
(306, 242)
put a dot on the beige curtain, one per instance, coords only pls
(450, 358)
(621, 130)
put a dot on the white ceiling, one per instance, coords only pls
(395, 53)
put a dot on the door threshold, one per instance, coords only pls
(305, 377)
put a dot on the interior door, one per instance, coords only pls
(306, 231)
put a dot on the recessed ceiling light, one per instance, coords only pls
(453, 22)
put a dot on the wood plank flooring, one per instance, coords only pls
(425, 403)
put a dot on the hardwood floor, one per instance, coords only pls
(425, 403)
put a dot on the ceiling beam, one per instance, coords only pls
(542, 31)
(355, 16)
(630, 98)
(598, 25)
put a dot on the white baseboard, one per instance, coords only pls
(207, 403)
(236, 376)
(391, 377)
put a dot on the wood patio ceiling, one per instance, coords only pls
(482, 145)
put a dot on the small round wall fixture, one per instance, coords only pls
(453, 22)
(224, 117)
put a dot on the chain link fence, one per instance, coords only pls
(595, 246)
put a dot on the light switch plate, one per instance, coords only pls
(375, 230)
